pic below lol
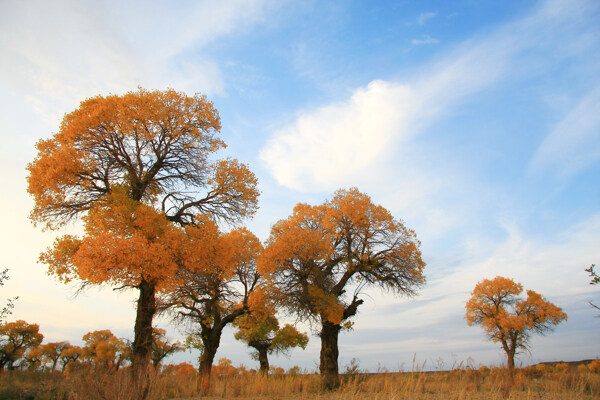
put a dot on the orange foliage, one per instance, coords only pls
(594, 366)
(151, 141)
(318, 250)
(51, 352)
(507, 319)
(224, 367)
(129, 162)
(16, 339)
(103, 348)
(314, 255)
(137, 167)
(562, 367)
(162, 347)
(180, 369)
(120, 232)
(218, 279)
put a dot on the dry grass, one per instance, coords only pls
(528, 383)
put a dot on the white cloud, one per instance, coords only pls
(60, 52)
(344, 143)
(574, 143)
(339, 140)
(425, 39)
(424, 17)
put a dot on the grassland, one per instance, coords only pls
(558, 382)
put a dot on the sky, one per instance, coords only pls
(477, 123)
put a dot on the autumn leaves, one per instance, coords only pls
(318, 253)
(139, 171)
(508, 319)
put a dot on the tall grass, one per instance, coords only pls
(527, 383)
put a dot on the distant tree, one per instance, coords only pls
(219, 279)
(264, 335)
(51, 352)
(225, 367)
(70, 355)
(320, 254)
(508, 319)
(10, 303)
(156, 147)
(33, 359)
(162, 347)
(16, 339)
(104, 349)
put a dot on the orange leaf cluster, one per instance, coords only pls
(313, 254)
(125, 241)
(508, 319)
(146, 140)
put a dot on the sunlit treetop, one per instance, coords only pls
(156, 143)
(507, 318)
(315, 253)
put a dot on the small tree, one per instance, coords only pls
(16, 339)
(70, 355)
(219, 278)
(51, 352)
(264, 335)
(162, 347)
(508, 319)
(104, 349)
(10, 303)
(595, 280)
(321, 257)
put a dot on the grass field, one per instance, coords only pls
(543, 382)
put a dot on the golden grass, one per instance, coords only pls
(527, 383)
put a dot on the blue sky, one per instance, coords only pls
(475, 122)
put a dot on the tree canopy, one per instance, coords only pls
(145, 156)
(16, 339)
(156, 143)
(263, 333)
(508, 319)
(315, 255)
(218, 284)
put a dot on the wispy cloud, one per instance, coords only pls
(342, 138)
(425, 39)
(424, 17)
(574, 143)
(335, 144)
(63, 51)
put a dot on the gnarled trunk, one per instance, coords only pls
(210, 340)
(330, 379)
(263, 358)
(142, 342)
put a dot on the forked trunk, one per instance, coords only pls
(330, 379)
(210, 341)
(142, 342)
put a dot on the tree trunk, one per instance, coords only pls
(142, 342)
(211, 341)
(263, 359)
(330, 379)
(510, 361)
